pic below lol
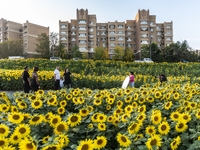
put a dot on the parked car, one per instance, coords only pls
(148, 60)
(77, 58)
(55, 58)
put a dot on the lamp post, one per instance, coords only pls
(150, 48)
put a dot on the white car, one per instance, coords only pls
(55, 58)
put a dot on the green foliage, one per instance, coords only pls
(119, 53)
(75, 52)
(42, 46)
(100, 53)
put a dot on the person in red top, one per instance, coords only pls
(131, 81)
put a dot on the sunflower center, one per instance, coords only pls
(123, 139)
(2, 143)
(156, 118)
(4, 108)
(15, 138)
(51, 100)
(60, 127)
(85, 147)
(141, 109)
(133, 126)
(101, 117)
(185, 117)
(180, 126)
(175, 116)
(163, 127)
(99, 142)
(22, 130)
(16, 117)
(153, 142)
(150, 131)
(118, 111)
(128, 109)
(55, 120)
(174, 143)
(29, 146)
(2, 130)
(74, 118)
(36, 103)
(22, 104)
(84, 111)
(35, 119)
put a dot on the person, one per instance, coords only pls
(131, 81)
(26, 80)
(67, 78)
(57, 78)
(35, 83)
(162, 78)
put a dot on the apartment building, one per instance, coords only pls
(87, 33)
(27, 33)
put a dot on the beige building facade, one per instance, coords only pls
(26, 33)
(87, 33)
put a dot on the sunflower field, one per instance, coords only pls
(150, 116)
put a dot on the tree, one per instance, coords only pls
(119, 53)
(42, 46)
(128, 55)
(75, 52)
(100, 53)
(60, 49)
(53, 39)
(11, 48)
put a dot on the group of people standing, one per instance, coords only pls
(33, 83)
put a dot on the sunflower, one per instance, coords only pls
(81, 100)
(27, 145)
(52, 147)
(90, 126)
(150, 99)
(4, 130)
(101, 126)
(136, 95)
(101, 117)
(134, 127)
(22, 105)
(175, 143)
(15, 117)
(86, 145)
(3, 142)
(36, 104)
(69, 96)
(75, 93)
(123, 140)
(90, 108)
(32, 97)
(54, 120)
(8, 148)
(83, 112)
(141, 117)
(175, 116)
(48, 116)
(15, 138)
(61, 127)
(127, 91)
(168, 105)
(97, 102)
(186, 117)
(176, 96)
(74, 120)
(89, 92)
(108, 107)
(125, 116)
(62, 139)
(111, 96)
(119, 103)
(75, 100)
(181, 126)
(197, 114)
(63, 103)
(52, 101)
(118, 111)
(100, 142)
(135, 105)
(22, 130)
(150, 130)
(36, 119)
(4, 108)
(167, 96)
(154, 140)
(95, 117)
(128, 109)
(138, 136)
(188, 109)
(110, 101)
(156, 118)
(14, 109)
(61, 110)
(110, 119)
(45, 139)
(142, 109)
(164, 128)
(40, 92)
(193, 105)
(128, 99)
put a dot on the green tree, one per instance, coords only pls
(128, 55)
(100, 53)
(119, 53)
(11, 48)
(60, 50)
(42, 46)
(75, 52)
(53, 39)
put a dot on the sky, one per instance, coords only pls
(183, 13)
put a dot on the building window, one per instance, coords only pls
(63, 38)
(82, 42)
(82, 28)
(91, 29)
(129, 33)
(143, 29)
(103, 39)
(120, 32)
(82, 48)
(91, 23)
(63, 26)
(73, 39)
(82, 22)
(144, 35)
(168, 27)
(158, 28)
(158, 39)
(112, 44)
(158, 33)
(73, 33)
(63, 32)
(129, 39)
(112, 32)
(144, 42)
(168, 39)
(103, 33)
(129, 27)
(121, 44)
(112, 26)
(91, 36)
(151, 29)
(167, 44)
(120, 38)
(112, 38)
(151, 23)
(120, 26)
(73, 27)
(104, 45)
(143, 22)
(129, 45)
(168, 33)
(82, 35)
(112, 51)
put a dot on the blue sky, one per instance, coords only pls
(183, 13)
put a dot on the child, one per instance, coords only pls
(131, 81)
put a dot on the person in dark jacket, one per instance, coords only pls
(163, 78)
(26, 80)
(67, 78)
(35, 83)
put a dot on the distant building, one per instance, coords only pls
(27, 33)
(87, 33)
